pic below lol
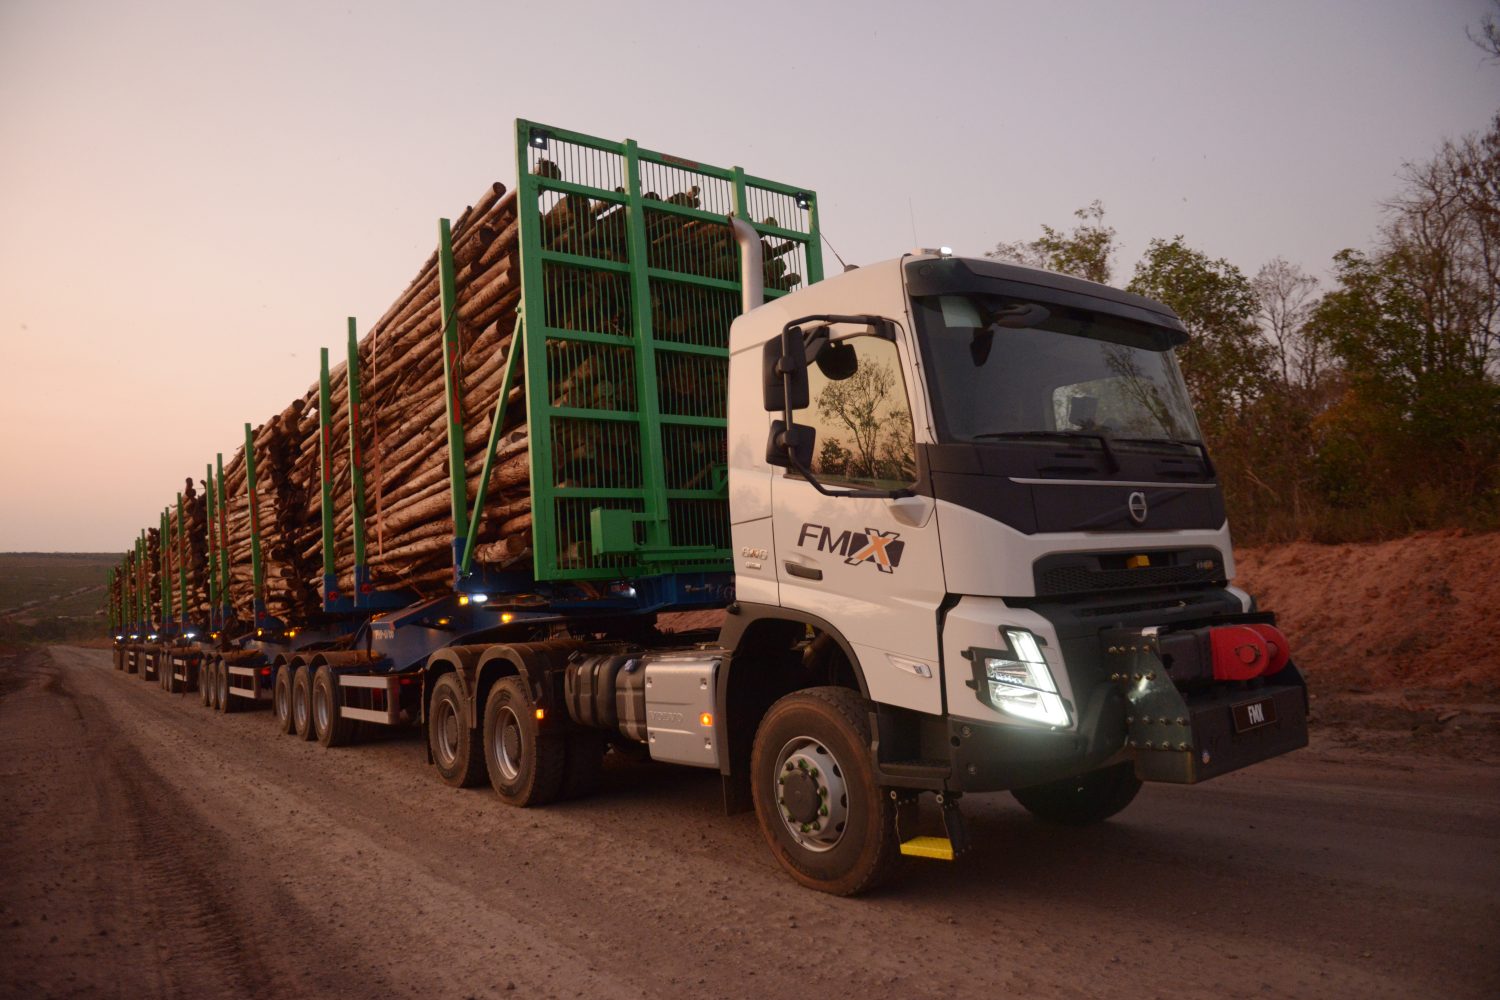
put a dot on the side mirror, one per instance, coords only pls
(783, 446)
(774, 378)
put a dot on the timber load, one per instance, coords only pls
(401, 438)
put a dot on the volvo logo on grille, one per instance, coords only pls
(1136, 505)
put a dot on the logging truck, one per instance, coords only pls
(950, 523)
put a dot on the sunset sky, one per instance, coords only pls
(193, 195)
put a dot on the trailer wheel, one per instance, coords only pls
(525, 764)
(302, 704)
(329, 724)
(206, 682)
(281, 700)
(457, 748)
(827, 821)
(1082, 800)
(221, 686)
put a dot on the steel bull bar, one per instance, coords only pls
(1186, 724)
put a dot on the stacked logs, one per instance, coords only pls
(403, 417)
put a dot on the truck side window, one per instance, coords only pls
(865, 435)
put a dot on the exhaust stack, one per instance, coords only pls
(752, 264)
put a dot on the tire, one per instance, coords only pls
(222, 697)
(173, 685)
(810, 766)
(457, 748)
(584, 763)
(1082, 800)
(525, 765)
(281, 700)
(302, 721)
(206, 682)
(329, 724)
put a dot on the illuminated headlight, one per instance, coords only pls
(151, 637)
(191, 635)
(118, 638)
(1017, 681)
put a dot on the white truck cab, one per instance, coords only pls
(981, 490)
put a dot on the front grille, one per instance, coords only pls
(1093, 573)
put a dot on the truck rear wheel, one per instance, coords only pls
(457, 748)
(281, 700)
(525, 764)
(1087, 798)
(206, 682)
(302, 704)
(819, 807)
(329, 724)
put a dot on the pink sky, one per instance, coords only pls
(194, 195)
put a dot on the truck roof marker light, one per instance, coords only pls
(945, 251)
(706, 720)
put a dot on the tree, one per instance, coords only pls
(1286, 295)
(1225, 362)
(1086, 252)
(1487, 37)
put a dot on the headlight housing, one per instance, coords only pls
(1015, 681)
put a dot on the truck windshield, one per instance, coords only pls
(1001, 367)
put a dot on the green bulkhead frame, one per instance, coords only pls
(630, 280)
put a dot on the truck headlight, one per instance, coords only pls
(1016, 681)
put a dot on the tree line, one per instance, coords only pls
(1366, 409)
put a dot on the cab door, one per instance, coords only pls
(870, 567)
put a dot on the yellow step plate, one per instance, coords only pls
(940, 848)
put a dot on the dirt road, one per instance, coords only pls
(151, 848)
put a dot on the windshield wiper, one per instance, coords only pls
(1101, 436)
(1202, 449)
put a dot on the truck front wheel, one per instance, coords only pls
(819, 807)
(1082, 800)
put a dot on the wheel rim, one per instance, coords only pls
(507, 744)
(321, 706)
(221, 678)
(811, 796)
(445, 727)
(282, 709)
(299, 706)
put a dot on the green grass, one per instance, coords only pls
(46, 596)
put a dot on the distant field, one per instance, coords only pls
(45, 596)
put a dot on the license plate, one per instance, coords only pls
(1254, 714)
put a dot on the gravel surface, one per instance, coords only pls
(152, 848)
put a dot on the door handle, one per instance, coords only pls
(805, 572)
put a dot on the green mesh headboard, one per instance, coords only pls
(630, 279)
